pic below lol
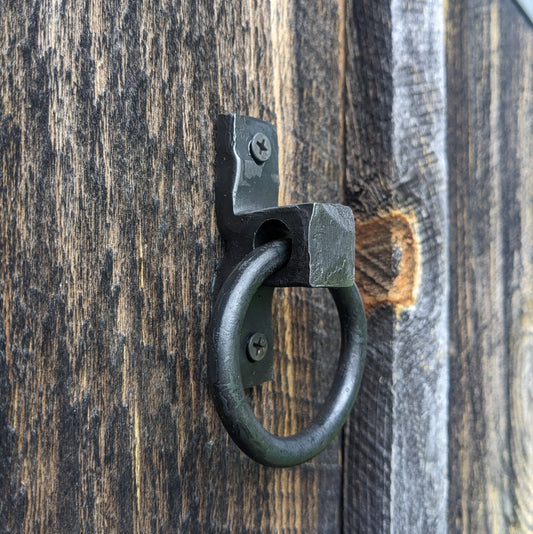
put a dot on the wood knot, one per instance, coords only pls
(386, 261)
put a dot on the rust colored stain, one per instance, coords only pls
(386, 261)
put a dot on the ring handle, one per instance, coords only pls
(224, 371)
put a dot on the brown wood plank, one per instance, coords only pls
(396, 442)
(108, 251)
(490, 135)
(308, 41)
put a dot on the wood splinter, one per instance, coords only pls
(386, 266)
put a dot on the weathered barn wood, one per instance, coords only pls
(490, 140)
(395, 451)
(108, 252)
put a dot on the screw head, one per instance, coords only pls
(257, 347)
(260, 148)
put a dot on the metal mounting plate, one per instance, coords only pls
(246, 189)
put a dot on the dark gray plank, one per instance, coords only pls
(396, 443)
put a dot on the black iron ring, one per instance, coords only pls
(227, 389)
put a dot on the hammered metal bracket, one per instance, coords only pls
(248, 215)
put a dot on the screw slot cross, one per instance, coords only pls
(260, 148)
(257, 347)
(262, 145)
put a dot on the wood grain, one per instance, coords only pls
(490, 135)
(109, 246)
(396, 443)
(108, 252)
(369, 165)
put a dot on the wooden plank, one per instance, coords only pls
(308, 43)
(396, 443)
(108, 252)
(490, 133)
(368, 171)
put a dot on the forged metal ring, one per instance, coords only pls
(225, 378)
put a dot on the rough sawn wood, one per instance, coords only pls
(108, 248)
